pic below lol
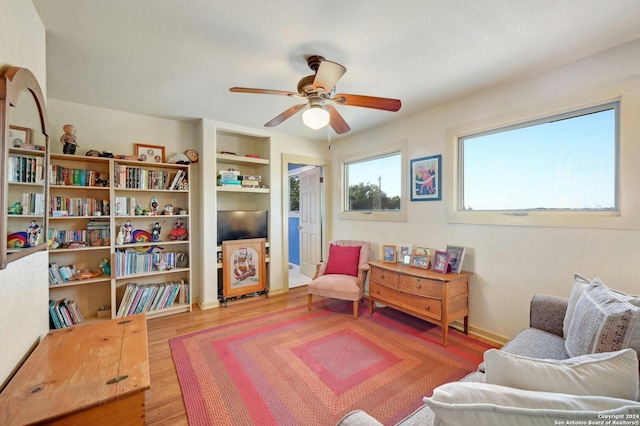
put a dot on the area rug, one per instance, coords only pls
(295, 367)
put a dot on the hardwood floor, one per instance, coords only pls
(164, 403)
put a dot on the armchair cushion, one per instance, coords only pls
(343, 260)
(461, 403)
(611, 374)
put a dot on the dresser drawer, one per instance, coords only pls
(384, 277)
(421, 286)
(425, 306)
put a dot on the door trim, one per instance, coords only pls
(325, 209)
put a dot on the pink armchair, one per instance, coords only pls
(344, 274)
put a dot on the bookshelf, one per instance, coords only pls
(92, 200)
(246, 155)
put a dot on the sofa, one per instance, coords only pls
(576, 363)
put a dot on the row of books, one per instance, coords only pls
(26, 169)
(126, 206)
(129, 262)
(61, 274)
(85, 236)
(64, 313)
(78, 206)
(140, 298)
(59, 175)
(33, 203)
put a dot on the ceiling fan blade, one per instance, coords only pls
(288, 113)
(336, 121)
(327, 76)
(262, 91)
(368, 102)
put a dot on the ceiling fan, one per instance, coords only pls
(319, 90)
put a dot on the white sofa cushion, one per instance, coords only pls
(602, 321)
(478, 404)
(579, 284)
(610, 374)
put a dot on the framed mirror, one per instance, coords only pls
(24, 157)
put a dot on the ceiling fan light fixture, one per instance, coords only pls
(316, 117)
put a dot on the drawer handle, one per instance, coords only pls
(418, 285)
(377, 291)
(427, 307)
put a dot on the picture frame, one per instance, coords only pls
(404, 250)
(440, 262)
(149, 153)
(425, 251)
(406, 259)
(19, 136)
(426, 178)
(389, 253)
(419, 261)
(456, 257)
(243, 267)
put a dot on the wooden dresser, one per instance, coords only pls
(94, 374)
(432, 296)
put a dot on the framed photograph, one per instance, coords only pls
(426, 178)
(389, 254)
(19, 136)
(406, 259)
(243, 267)
(456, 257)
(404, 250)
(440, 262)
(419, 261)
(149, 153)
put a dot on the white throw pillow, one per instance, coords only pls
(611, 374)
(579, 284)
(603, 321)
(478, 404)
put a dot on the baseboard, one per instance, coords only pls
(481, 333)
(209, 305)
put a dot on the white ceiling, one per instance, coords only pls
(178, 58)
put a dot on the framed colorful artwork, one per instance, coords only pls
(149, 153)
(426, 178)
(440, 262)
(389, 254)
(243, 267)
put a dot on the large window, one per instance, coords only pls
(564, 163)
(373, 185)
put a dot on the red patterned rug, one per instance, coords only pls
(296, 367)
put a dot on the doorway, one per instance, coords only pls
(304, 210)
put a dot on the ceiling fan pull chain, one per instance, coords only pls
(329, 137)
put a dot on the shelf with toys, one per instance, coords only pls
(103, 210)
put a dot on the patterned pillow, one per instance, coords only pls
(602, 322)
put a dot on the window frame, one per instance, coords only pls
(551, 217)
(396, 215)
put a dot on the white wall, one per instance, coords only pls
(510, 263)
(23, 285)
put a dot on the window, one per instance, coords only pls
(564, 163)
(294, 193)
(373, 185)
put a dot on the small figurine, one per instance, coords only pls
(139, 210)
(34, 233)
(155, 232)
(154, 206)
(106, 268)
(168, 209)
(15, 208)
(178, 233)
(69, 139)
(120, 237)
(127, 230)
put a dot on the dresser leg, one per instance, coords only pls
(466, 324)
(445, 333)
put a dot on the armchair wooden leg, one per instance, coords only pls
(309, 297)
(355, 309)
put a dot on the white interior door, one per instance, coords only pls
(310, 228)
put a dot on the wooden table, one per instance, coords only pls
(432, 296)
(94, 374)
